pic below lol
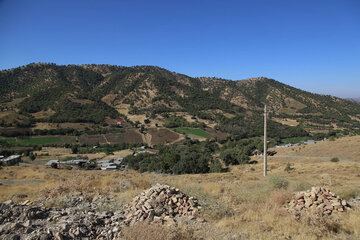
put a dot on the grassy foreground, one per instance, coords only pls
(240, 204)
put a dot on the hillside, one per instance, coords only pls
(354, 99)
(100, 95)
(237, 204)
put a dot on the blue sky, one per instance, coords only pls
(312, 45)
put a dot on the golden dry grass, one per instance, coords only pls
(44, 114)
(49, 153)
(286, 121)
(346, 149)
(80, 126)
(238, 204)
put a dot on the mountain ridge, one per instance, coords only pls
(73, 92)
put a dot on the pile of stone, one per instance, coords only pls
(162, 204)
(318, 200)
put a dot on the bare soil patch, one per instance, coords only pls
(130, 136)
(162, 136)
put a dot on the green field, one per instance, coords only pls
(192, 131)
(294, 140)
(33, 140)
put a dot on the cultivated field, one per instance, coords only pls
(162, 136)
(192, 131)
(239, 204)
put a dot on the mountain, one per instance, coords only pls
(101, 94)
(354, 99)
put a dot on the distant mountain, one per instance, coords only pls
(354, 99)
(94, 93)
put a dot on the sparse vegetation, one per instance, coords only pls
(237, 201)
(288, 167)
(278, 182)
(193, 131)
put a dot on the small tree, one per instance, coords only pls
(288, 167)
(75, 149)
(32, 157)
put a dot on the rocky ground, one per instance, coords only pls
(101, 217)
(84, 218)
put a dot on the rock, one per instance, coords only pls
(318, 200)
(160, 200)
(58, 236)
(8, 202)
(80, 219)
(16, 237)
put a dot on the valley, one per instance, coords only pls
(145, 125)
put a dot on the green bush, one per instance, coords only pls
(192, 157)
(288, 167)
(334, 159)
(215, 166)
(349, 193)
(278, 182)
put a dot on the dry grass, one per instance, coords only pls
(79, 126)
(240, 204)
(44, 114)
(286, 121)
(347, 149)
(155, 232)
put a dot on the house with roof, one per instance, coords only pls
(11, 160)
(256, 152)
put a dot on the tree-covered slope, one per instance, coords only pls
(92, 93)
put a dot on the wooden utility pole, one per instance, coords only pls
(265, 145)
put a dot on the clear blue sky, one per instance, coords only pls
(309, 44)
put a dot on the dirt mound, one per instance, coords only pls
(162, 203)
(318, 200)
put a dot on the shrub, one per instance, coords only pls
(32, 157)
(349, 193)
(74, 149)
(215, 166)
(334, 159)
(278, 182)
(288, 167)
(301, 186)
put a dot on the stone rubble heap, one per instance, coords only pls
(26, 221)
(317, 200)
(99, 217)
(163, 204)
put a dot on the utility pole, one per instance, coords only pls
(265, 145)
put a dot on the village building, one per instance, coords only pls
(75, 162)
(112, 164)
(256, 152)
(12, 160)
(309, 142)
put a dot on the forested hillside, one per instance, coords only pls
(96, 93)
